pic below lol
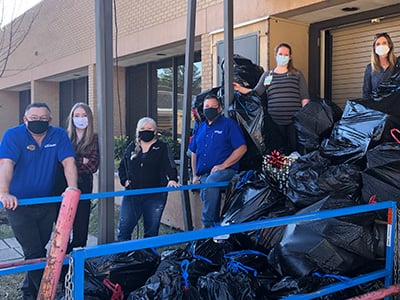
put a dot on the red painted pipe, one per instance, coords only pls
(62, 231)
(379, 294)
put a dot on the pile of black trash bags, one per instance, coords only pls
(350, 158)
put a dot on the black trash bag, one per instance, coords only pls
(248, 111)
(288, 286)
(129, 269)
(245, 72)
(93, 288)
(248, 198)
(388, 104)
(329, 246)
(381, 178)
(352, 135)
(387, 88)
(252, 261)
(312, 177)
(171, 279)
(165, 284)
(314, 122)
(228, 286)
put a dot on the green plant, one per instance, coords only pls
(120, 144)
(174, 144)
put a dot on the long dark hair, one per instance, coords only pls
(290, 66)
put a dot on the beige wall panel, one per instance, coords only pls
(62, 37)
(47, 92)
(261, 27)
(9, 108)
(296, 35)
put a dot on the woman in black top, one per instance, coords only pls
(147, 163)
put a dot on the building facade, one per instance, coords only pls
(52, 57)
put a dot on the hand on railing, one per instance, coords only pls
(8, 201)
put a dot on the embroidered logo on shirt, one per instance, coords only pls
(31, 147)
(156, 148)
(50, 145)
(218, 131)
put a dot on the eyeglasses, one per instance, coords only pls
(38, 118)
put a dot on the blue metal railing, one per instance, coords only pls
(79, 255)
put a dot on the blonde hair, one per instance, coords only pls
(139, 125)
(375, 64)
(85, 143)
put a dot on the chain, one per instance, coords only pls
(69, 285)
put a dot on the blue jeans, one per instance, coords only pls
(151, 206)
(211, 197)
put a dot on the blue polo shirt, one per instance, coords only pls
(35, 167)
(214, 143)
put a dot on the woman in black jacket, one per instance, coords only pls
(147, 163)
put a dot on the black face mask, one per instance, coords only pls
(211, 113)
(38, 127)
(146, 135)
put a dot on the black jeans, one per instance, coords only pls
(32, 226)
(80, 228)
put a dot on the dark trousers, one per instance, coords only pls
(80, 228)
(289, 137)
(32, 226)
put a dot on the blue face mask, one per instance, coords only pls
(282, 60)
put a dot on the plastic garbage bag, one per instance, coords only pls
(333, 246)
(129, 269)
(248, 111)
(352, 135)
(249, 197)
(312, 177)
(170, 280)
(387, 88)
(382, 175)
(245, 72)
(314, 122)
(228, 286)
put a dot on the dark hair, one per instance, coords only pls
(211, 96)
(37, 104)
(291, 68)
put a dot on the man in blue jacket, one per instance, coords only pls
(216, 148)
(29, 154)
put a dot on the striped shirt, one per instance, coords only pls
(284, 93)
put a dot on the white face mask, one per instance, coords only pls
(382, 50)
(80, 123)
(282, 60)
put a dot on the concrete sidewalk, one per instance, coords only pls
(10, 249)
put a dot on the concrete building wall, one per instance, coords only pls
(47, 92)
(9, 109)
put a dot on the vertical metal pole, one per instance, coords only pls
(228, 50)
(187, 100)
(78, 275)
(105, 104)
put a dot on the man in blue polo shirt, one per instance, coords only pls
(216, 148)
(29, 154)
